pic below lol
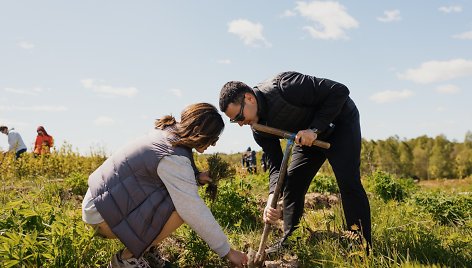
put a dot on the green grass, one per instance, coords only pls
(41, 225)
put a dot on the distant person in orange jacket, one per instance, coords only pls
(43, 143)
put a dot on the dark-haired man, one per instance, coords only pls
(15, 142)
(313, 108)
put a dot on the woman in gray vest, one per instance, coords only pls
(146, 190)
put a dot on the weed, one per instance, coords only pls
(219, 170)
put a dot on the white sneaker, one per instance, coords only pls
(117, 262)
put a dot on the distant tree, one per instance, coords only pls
(406, 160)
(367, 157)
(462, 160)
(421, 152)
(387, 156)
(468, 139)
(440, 164)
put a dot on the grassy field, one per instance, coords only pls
(449, 186)
(428, 224)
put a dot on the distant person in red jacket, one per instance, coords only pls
(43, 143)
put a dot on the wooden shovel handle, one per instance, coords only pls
(286, 135)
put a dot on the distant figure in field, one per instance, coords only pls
(43, 142)
(245, 157)
(146, 190)
(248, 160)
(15, 142)
(264, 161)
(253, 162)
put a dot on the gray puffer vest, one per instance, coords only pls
(129, 194)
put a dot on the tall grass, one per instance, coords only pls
(41, 225)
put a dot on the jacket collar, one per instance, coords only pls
(261, 106)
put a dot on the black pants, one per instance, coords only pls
(19, 152)
(344, 157)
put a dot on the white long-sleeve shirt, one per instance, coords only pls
(15, 141)
(179, 178)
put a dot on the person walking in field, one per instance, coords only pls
(264, 161)
(313, 108)
(245, 158)
(43, 142)
(146, 190)
(15, 142)
(253, 161)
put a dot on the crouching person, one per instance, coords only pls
(146, 190)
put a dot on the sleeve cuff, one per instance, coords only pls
(223, 250)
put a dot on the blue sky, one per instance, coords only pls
(97, 73)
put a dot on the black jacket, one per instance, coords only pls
(293, 101)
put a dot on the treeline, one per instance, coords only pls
(423, 157)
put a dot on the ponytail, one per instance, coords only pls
(164, 122)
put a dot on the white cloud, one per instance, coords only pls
(390, 15)
(249, 32)
(391, 96)
(34, 91)
(440, 109)
(99, 87)
(26, 45)
(437, 71)
(464, 35)
(447, 89)
(224, 61)
(450, 9)
(36, 108)
(330, 18)
(176, 92)
(288, 13)
(104, 121)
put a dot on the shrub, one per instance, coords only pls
(446, 209)
(234, 207)
(77, 183)
(196, 250)
(35, 234)
(389, 188)
(324, 184)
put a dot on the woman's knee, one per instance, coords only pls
(174, 222)
(103, 230)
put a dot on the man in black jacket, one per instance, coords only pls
(313, 108)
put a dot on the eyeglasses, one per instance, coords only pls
(240, 116)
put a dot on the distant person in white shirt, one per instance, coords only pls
(15, 141)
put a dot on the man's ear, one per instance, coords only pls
(250, 97)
